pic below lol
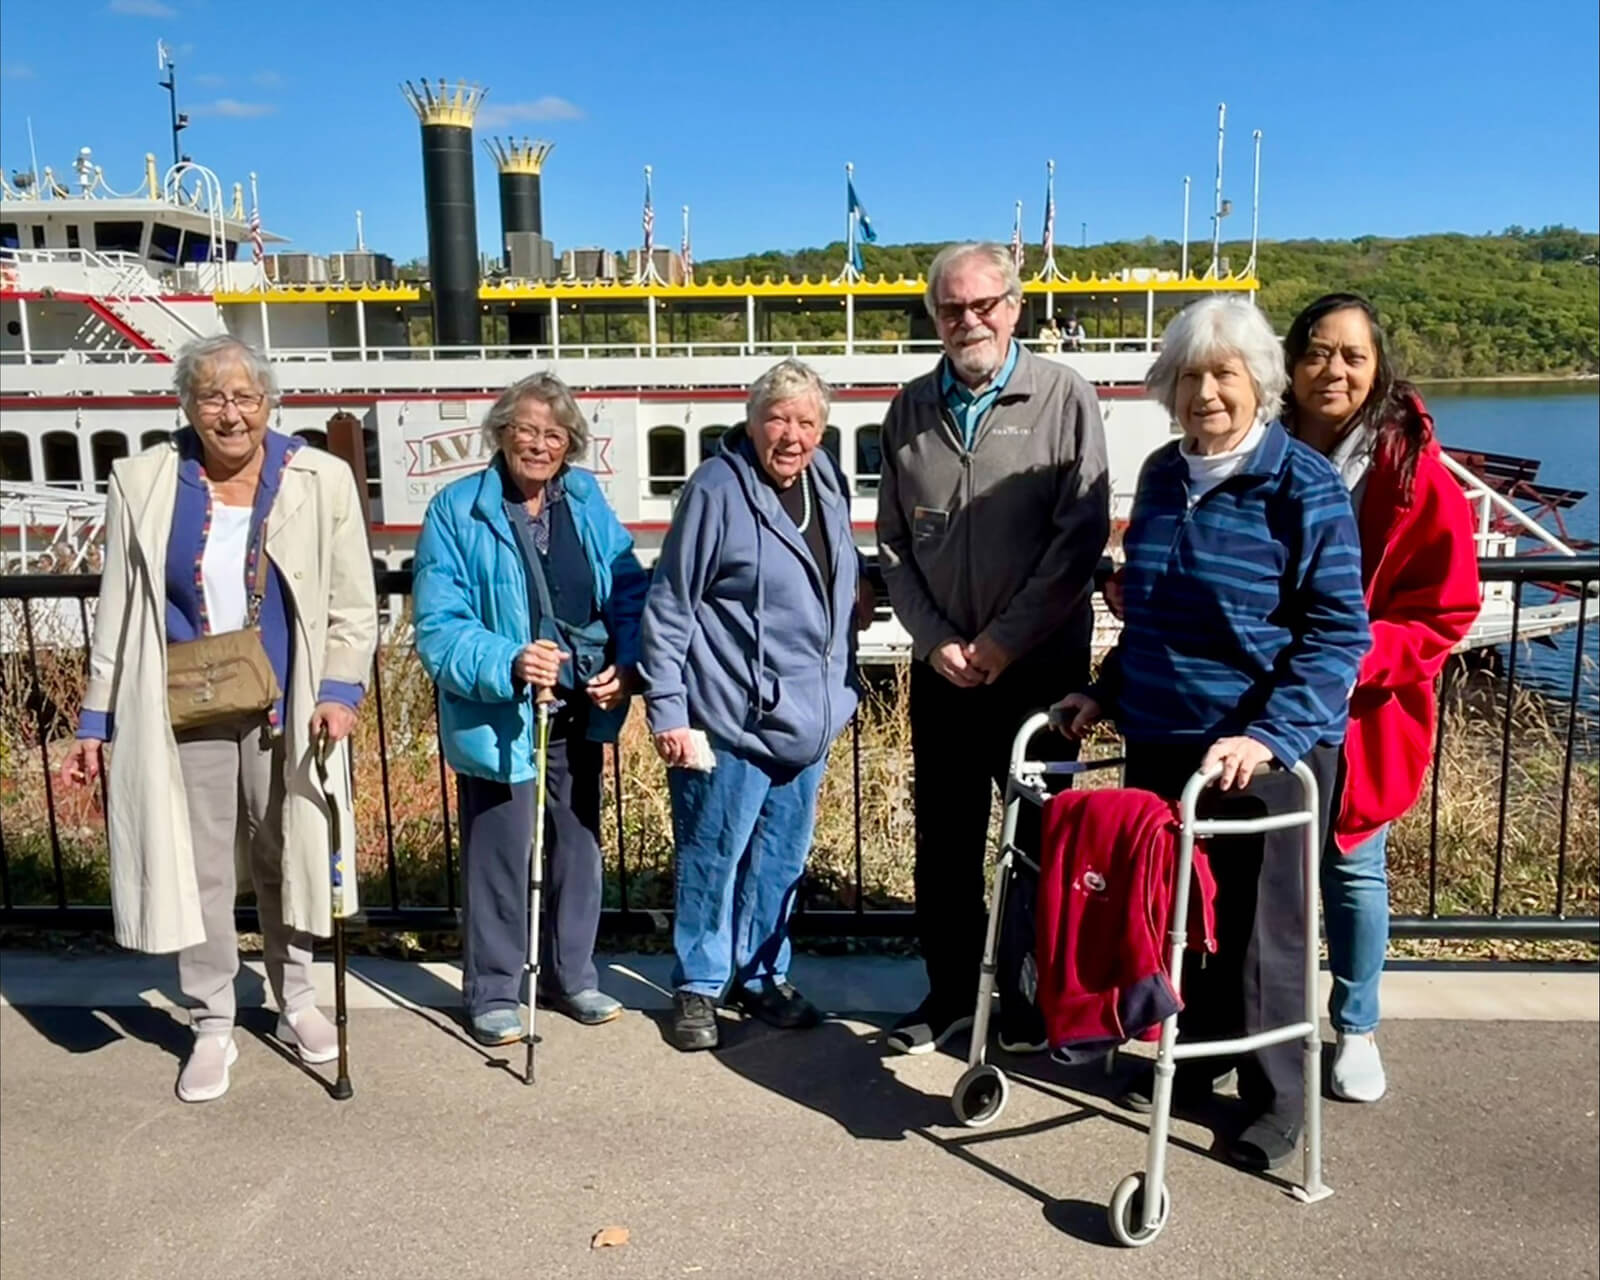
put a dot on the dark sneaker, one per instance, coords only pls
(1267, 1142)
(1192, 1087)
(1022, 1033)
(694, 1022)
(925, 1029)
(777, 1003)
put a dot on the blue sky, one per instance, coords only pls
(1394, 118)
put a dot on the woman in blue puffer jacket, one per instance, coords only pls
(526, 579)
(749, 638)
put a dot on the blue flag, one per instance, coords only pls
(864, 231)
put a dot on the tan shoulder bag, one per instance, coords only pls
(226, 676)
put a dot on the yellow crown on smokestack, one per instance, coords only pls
(512, 156)
(444, 105)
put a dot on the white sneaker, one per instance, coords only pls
(205, 1075)
(310, 1034)
(1357, 1069)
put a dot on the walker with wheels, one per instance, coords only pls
(1135, 1217)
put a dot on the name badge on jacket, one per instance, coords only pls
(929, 522)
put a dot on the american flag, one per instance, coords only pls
(256, 250)
(1050, 220)
(1016, 239)
(688, 253)
(649, 225)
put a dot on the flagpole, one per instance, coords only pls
(849, 274)
(1255, 208)
(1183, 269)
(647, 273)
(1048, 270)
(688, 252)
(1216, 212)
(255, 238)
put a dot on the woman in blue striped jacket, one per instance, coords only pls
(1244, 627)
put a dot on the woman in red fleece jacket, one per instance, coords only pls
(1419, 568)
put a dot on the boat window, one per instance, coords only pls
(711, 440)
(164, 242)
(830, 442)
(15, 464)
(232, 253)
(118, 237)
(154, 437)
(38, 237)
(196, 248)
(667, 461)
(9, 236)
(316, 439)
(74, 240)
(62, 465)
(369, 441)
(869, 457)
(105, 447)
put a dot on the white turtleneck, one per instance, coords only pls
(1208, 470)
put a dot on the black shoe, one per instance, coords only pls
(926, 1028)
(1192, 1088)
(777, 1003)
(1267, 1142)
(694, 1022)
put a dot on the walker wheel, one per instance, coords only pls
(980, 1095)
(1125, 1213)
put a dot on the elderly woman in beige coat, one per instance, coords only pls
(229, 527)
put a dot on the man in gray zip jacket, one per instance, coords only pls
(993, 511)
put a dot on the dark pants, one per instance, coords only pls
(961, 750)
(496, 834)
(1256, 978)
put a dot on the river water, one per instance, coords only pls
(1559, 424)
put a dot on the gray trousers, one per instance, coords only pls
(233, 783)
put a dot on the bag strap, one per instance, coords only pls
(258, 580)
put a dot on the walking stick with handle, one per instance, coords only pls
(338, 905)
(545, 706)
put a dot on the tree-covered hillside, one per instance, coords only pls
(1523, 302)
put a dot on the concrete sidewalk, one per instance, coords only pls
(848, 985)
(803, 1154)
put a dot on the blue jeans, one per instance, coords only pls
(742, 833)
(1355, 909)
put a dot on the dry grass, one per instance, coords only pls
(405, 809)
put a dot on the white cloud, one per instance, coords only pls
(234, 108)
(17, 71)
(266, 79)
(495, 114)
(142, 9)
(210, 80)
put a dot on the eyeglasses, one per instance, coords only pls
(527, 433)
(244, 402)
(950, 312)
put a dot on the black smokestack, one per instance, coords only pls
(520, 164)
(447, 116)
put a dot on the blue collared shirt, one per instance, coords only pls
(967, 406)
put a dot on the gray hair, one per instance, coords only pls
(994, 255)
(787, 380)
(550, 391)
(199, 355)
(1220, 325)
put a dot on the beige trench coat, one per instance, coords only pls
(316, 537)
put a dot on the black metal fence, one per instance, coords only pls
(1520, 876)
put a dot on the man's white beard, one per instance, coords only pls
(978, 362)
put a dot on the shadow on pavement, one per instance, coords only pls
(833, 1070)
